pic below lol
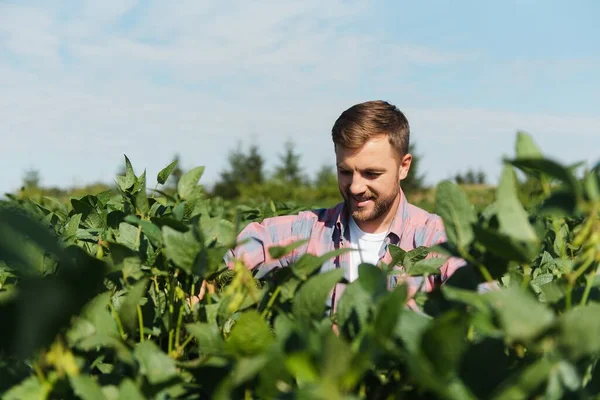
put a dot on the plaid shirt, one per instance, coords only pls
(327, 230)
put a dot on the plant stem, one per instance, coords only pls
(178, 328)
(170, 349)
(271, 301)
(569, 297)
(588, 287)
(117, 320)
(141, 322)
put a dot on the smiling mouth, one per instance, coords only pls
(361, 202)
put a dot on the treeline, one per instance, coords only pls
(246, 178)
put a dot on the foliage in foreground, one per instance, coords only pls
(95, 300)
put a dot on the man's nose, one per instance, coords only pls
(357, 186)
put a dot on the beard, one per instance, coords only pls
(380, 206)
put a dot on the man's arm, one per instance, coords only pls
(256, 239)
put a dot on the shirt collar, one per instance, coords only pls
(396, 227)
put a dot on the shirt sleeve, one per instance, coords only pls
(255, 240)
(436, 234)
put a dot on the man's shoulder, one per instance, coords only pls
(420, 217)
(312, 216)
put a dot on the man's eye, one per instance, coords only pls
(373, 174)
(343, 171)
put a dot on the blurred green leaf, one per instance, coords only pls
(444, 342)
(281, 251)
(521, 316)
(308, 264)
(30, 389)
(512, 217)
(86, 388)
(579, 331)
(208, 337)
(128, 310)
(128, 390)
(458, 214)
(154, 364)
(310, 298)
(250, 335)
(526, 147)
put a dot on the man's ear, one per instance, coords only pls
(404, 166)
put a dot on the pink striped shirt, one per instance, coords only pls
(327, 230)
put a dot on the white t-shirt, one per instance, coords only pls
(368, 245)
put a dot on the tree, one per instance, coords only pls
(326, 177)
(244, 169)
(289, 170)
(459, 179)
(481, 178)
(31, 179)
(413, 180)
(470, 177)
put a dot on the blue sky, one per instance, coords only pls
(85, 82)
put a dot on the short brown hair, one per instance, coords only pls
(364, 121)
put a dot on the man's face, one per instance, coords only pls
(368, 179)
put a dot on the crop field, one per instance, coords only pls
(98, 299)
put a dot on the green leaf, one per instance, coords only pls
(504, 246)
(126, 182)
(429, 266)
(388, 312)
(337, 357)
(86, 388)
(128, 390)
(579, 331)
(181, 248)
(28, 326)
(72, 226)
(128, 236)
(310, 298)
(154, 364)
(141, 201)
(208, 336)
(281, 251)
(525, 381)
(308, 264)
(97, 313)
(250, 335)
(526, 147)
(30, 389)
(397, 254)
(550, 168)
(186, 186)
(458, 214)
(444, 342)
(520, 315)
(149, 229)
(217, 229)
(353, 309)
(552, 292)
(128, 310)
(164, 173)
(512, 217)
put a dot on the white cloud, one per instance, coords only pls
(151, 79)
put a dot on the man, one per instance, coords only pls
(371, 149)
